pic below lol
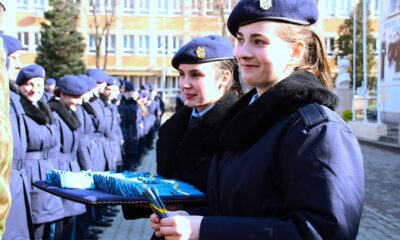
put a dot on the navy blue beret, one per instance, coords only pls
(128, 86)
(72, 85)
(112, 81)
(90, 82)
(11, 44)
(29, 72)
(204, 49)
(98, 74)
(300, 12)
(50, 81)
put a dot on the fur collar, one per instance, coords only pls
(14, 87)
(88, 108)
(69, 117)
(104, 100)
(41, 115)
(93, 98)
(245, 124)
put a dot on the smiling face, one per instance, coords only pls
(33, 89)
(201, 85)
(71, 102)
(262, 55)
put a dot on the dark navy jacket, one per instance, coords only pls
(128, 110)
(289, 168)
(185, 152)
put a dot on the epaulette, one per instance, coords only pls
(312, 115)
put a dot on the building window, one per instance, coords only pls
(330, 7)
(22, 4)
(23, 37)
(210, 8)
(110, 5)
(144, 6)
(144, 44)
(129, 6)
(39, 5)
(330, 46)
(37, 39)
(344, 7)
(110, 43)
(162, 6)
(92, 43)
(195, 7)
(95, 5)
(177, 42)
(162, 44)
(375, 7)
(228, 6)
(177, 6)
(129, 43)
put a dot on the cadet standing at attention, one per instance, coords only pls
(289, 166)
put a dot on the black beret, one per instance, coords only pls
(98, 74)
(72, 85)
(204, 49)
(29, 72)
(300, 12)
(11, 44)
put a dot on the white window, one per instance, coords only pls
(330, 7)
(110, 5)
(162, 44)
(162, 6)
(210, 9)
(129, 43)
(129, 6)
(22, 4)
(330, 45)
(177, 42)
(195, 7)
(344, 7)
(144, 6)
(229, 4)
(95, 5)
(92, 43)
(39, 5)
(144, 44)
(23, 37)
(375, 7)
(177, 6)
(110, 41)
(37, 39)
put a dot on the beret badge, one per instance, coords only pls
(265, 4)
(201, 52)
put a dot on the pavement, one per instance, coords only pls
(381, 215)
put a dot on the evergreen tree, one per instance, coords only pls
(344, 46)
(61, 48)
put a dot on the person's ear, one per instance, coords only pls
(225, 78)
(298, 52)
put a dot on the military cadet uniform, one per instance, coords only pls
(184, 149)
(42, 153)
(19, 221)
(128, 111)
(6, 144)
(47, 95)
(290, 168)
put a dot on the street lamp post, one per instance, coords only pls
(365, 59)
(354, 57)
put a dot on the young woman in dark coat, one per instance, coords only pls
(289, 167)
(186, 141)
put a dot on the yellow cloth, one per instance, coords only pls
(6, 141)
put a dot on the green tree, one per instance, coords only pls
(61, 46)
(344, 46)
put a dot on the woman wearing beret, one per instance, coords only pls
(42, 148)
(67, 125)
(289, 167)
(187, 140)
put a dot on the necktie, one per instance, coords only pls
(194, 121)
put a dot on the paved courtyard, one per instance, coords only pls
(381, 216)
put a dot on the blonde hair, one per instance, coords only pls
(232, 67)
(314, 58)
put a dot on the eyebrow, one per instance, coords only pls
(253, 35)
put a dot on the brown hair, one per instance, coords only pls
(315, 59)
(231, 66)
